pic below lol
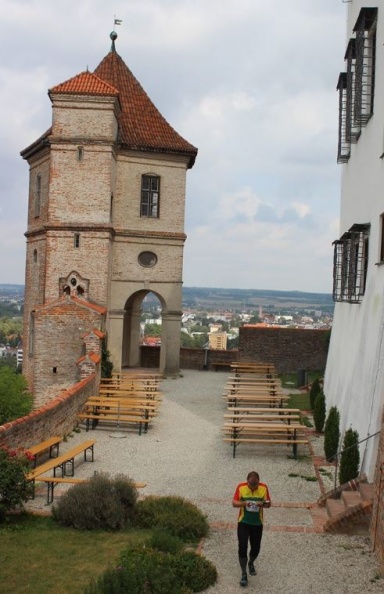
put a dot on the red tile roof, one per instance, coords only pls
(142, 126)
(84, 83)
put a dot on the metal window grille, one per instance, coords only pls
(350, 264)
(344, 144)
(150, 196)
(352, 130)
(365, 30)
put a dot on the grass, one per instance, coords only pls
(300, 401)
(37, 555)
(289, 380)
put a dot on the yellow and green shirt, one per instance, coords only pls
(251, 514)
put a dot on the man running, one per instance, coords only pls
(251, 497)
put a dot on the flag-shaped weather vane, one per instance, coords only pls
(116, 21)
(113, 35)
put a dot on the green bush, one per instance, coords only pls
(14, 487)
(15, 400)
(314, 392)
(172, 514)
(350, 457)
(194, 571)
(332, 434)
(165, 542)
(319, 412)
(145, 570)
(102, 503)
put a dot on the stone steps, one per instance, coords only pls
(348, 507)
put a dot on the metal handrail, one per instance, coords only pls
(336, 456)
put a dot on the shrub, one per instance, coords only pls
(172, 514)
(350, 457)
(106, 363)
(104, 503)
(332, 433)
(14, 487)
(319, 412)
(15, 400)
(143, 569)
(165, 542)
(314, 392)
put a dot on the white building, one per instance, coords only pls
(354, 379)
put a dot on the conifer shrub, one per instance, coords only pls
(350, 457)
(319, 412)
(172, 514)
(315, 390)
(165, 542)
(332, 434)
(104, 502)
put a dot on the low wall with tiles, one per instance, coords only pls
(57, 417)
(290, 349)
(377, 523)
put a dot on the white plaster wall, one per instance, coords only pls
(354, 379)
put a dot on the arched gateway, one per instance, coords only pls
(105, 223)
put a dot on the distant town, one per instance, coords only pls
(211, 316)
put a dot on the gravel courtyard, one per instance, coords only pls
(183, 454)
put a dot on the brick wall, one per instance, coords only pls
(289, 349)
(58, 417)
(189, 358)
(377, 524)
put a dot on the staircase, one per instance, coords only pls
(349, 507)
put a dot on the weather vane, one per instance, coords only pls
(116, 21)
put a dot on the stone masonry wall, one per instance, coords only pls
(58, 417)
(377, 523)
(289, 349)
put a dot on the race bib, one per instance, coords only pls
(251, 506)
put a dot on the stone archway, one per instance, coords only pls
(170, 337)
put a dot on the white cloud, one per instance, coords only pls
(251, 83)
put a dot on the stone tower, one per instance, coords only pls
(105, 224)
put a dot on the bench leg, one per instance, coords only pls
(50, 491)
(85, 454)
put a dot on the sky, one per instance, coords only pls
(251, 83)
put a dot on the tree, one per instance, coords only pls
(152, 330)
(15, 400)
(319, 412)
(350, 457)
(106, 363)
(332, 434)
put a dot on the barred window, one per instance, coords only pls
(353, 129)
(350, 264)
(344, 145)
(365, 29)
(150, 196)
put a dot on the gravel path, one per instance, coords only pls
(184, 454)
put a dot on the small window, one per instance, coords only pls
(80, 153)
(35, 256)
(150, 196)
(76, 240)
(38, 195)
(147, 259)
(31, 333)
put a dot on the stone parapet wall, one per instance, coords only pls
(58, 417)
(377, 523)
(189, 358)
(289, 349)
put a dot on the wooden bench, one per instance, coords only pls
(53, 481)
(221, 365)
(271, 401)
(52, 444)
(61, 462)
(287, 418)
(266, 432)
(110, 416)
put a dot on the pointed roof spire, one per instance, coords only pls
(113, 36)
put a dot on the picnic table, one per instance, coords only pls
(267, 432)
(256, 399)
(118, 411)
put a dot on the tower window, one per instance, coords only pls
(80, 153)
(150, 196)
(76, 240)
(35, 256)
(38, 195)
